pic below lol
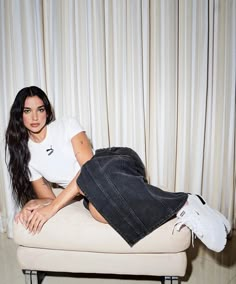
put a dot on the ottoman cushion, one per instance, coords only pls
(74, 229)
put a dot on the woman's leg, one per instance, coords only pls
(93, 211)
(96, 215)
(114, 181)
(115, 184)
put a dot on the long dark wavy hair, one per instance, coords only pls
(16, 147)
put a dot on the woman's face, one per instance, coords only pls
(34, 115)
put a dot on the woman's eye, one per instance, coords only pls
(42, 109)
(26, 111)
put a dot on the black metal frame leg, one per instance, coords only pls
(170, 280)
(33, 276)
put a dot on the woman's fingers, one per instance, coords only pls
(22, 217)
(17, 218)
(38, 218)
(33, 220)
(26, 214)
(36, 224)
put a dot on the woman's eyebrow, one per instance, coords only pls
(37, 107)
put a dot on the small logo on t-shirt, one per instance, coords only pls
(50, 151)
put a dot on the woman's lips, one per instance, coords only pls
(34, 124)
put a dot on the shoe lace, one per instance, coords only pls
(192, 224)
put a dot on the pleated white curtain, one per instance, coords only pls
(94, 65)
(219, 167)
(158, 76)
(21, 64)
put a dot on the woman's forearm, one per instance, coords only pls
(66, 195)
(36, 203)
(40, 216)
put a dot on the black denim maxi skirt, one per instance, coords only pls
(114, 182)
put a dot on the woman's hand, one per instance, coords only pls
(39, 217)
(23, 216)
(29, 207)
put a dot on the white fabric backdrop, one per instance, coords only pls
(158, 76)
(21, 64)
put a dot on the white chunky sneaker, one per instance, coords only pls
(226, 223)
(206, 223)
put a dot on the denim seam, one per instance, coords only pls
(120, 196)
(170, 215)
(132, 213)
(130, 242)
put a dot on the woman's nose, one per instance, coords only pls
(35, 116)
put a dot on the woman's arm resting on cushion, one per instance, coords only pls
(45, 196)
(83, 152)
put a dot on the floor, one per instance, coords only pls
(204, 267)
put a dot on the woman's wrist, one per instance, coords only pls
(47, 202)
(55, 206)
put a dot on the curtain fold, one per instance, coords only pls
(124, 69)
(163, 93)
(21, 64)
(155, 75)
(75, 62)
(219, 155)
(192, 94)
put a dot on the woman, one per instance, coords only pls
(44, 151)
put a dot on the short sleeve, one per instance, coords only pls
(34, 175)
(72, 127)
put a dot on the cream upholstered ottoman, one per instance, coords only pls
(72, 241)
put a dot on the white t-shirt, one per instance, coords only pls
(54, 158)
